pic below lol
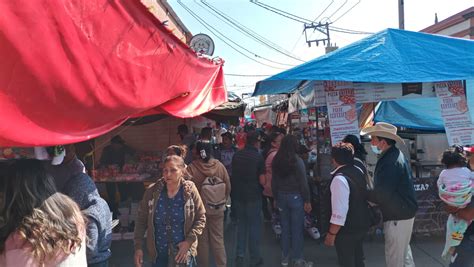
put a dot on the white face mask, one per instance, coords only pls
(375, 149)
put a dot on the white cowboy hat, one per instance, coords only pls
(383, 129)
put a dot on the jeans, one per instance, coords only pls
(162, 260)
(99, 264)
(291, 207)
(349, 248)
(464, 253)
(249, 228)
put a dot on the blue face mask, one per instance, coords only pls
(375, 149)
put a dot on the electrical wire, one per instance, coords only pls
(330, 4)
(342, 30)
(214, 30)
(337, 10)
(282, 11)
(281, 14)
(247, 50)
(346, 11)
(245, 30)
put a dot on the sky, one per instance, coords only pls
(361, 15)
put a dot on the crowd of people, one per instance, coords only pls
(53, 215)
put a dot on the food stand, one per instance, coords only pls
(390, 65)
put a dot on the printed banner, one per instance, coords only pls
(376, 92)
(454, 110)
(340, 98)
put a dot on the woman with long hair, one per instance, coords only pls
(41, 226)
(274, 141)
(213, 183)
(172, 215)
(291, 191)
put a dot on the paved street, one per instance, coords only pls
(426, 251)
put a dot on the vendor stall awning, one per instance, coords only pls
(72, 70)
(390, 56)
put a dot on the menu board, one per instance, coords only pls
(455, 113)
(342, 112)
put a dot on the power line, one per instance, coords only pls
(330, 4)
(247, 50)
(346, 11)
(342, 30)
(245, 30)
(214, 30)
(345, 2)
(281, 14)
(301, 19)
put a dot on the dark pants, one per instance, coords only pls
(349, 249)
(99, 264)
(111, 191)
(464, 253)
(249, 229)
(291, 207)
(267, 210)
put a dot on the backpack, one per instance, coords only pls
(213, 194)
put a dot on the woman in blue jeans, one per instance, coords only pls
(291, 191)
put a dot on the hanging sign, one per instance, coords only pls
(342, 113)
(376, 92)
(455, 113)
(202, 44)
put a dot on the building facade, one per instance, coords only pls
(460, 25)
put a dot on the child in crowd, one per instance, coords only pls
(455, 189)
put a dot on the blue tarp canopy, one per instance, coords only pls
(390, 56)
(418, 113)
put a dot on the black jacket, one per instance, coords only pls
(393, 186)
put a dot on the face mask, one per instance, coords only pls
(375, 149)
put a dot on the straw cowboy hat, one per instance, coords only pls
(383, 129)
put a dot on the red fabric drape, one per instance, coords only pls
(71, 70)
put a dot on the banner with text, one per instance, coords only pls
(342, 113)
(376, 92)
(454, 110)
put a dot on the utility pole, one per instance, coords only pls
(401, 14)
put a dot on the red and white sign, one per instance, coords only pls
(341, 103)
(455, 113)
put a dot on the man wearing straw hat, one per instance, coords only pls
(394, 193)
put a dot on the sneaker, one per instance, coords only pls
(303, 263)
(285, 261)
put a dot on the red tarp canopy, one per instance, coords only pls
(71, 70)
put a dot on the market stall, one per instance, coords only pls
(390, 65)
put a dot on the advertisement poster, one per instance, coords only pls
(455, 113)
(376, 92)
(342, 112)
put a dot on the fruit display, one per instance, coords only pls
(7, 153)
(139, 168)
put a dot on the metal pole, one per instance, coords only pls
(401, 14)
